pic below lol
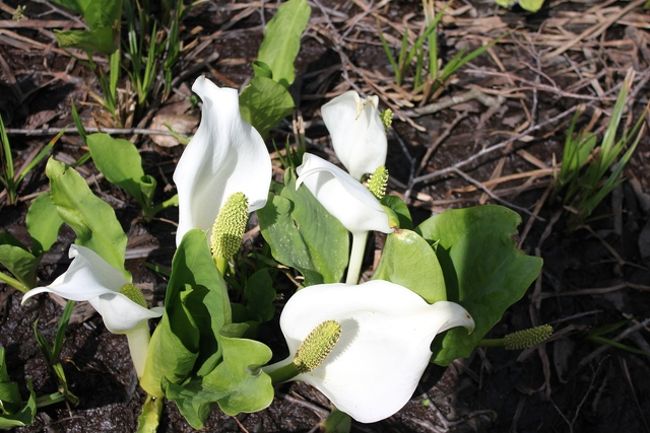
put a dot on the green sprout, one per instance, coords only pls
(8, 176)
(432, 78)
(590, 171)
(52, 352)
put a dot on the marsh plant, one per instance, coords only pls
(439, 287)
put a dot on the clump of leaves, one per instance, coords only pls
(14, 411)
(428, 75)
(266, 100)
(151, 49)
(590, 171)
(8, 176)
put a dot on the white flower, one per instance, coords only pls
(358, 135)
(225, 156)
(90, 278)
(342, 196)
(383, 349)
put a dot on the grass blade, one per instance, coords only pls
(61, 328)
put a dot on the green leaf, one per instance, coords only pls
(43, 223)
(193, 400)
(13, 411)
(264, 103)
(120, 162)
(105, 13)
(303, 235)
(237, 384)
(100, 39)
(409, 260)
(92, 219)
(281, 41)
(261, 69)
(174, 346)
(259, 295)
(196, 308)
(246, 387)
(71, 5)
(531, 5)
(337, 422)
(506, 3)
(10, 397)
(484, 271)
(400, 209)
(21, 263)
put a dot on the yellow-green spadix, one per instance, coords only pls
(383, 347)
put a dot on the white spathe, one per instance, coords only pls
(342, 196)
(384, 347)
(90, 278)
(358, 135)
(225, 156)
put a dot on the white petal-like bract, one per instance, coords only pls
(384, 347)
(342, 196)
(90, 278)
(358, 135)
(225, 156)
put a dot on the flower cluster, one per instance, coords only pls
(381, 332)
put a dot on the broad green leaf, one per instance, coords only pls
(13, 411)
(303, 235)
(100, 39)
(531, 5)
(104, 13)
(120, 162)
(259, 295)
(43, 223)
(96, 13)
(239, 376)
(261, 69)
(21, 263)
(281, 41)
(71, 5)
(92, 219)
(193, 400)
(237, 384)
(174, 345)
(264, 103)
(409, 260)
(196, 308)
(484, 271)
(400, 209)
(10, 399)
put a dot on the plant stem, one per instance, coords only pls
(138, 339)
(49, 399)
(153, 210)
(284, 373)
(356, 257)
(492, 342)
(150, 416)
(57, 368)
(13, 283)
